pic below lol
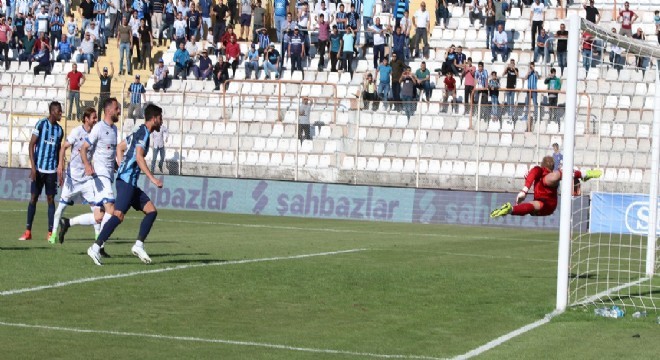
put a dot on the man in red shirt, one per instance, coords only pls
(546, 182)
(233, 54)
(75, 79)
(5, 36)
(227, 37)
(450, 90)
(627, 17)
(587, 42)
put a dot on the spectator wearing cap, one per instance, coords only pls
(75, 79)
(161, 77)
(297, 50)
(233, 52)
(220, 72)
(204, 70)
(146, 39)
(271, 61)
(106, 84)
(137, 91)
(252, 63)
(323, 37)
(86, 51)
(65, 50)
(181, 58)
(263, 40)
(335, 48)
(93, 31)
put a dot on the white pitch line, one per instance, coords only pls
(180, 267)
(504, 338)
(220, 341)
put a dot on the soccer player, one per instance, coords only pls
(44, 151)
(132, 150)
(75, 183)
(101, 143)
(546, 183)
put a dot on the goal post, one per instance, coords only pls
(608, 264)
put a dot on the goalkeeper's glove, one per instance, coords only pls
(521, 195)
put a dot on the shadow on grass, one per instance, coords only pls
(116, 241)
(24, 248)
(583, 276)
(167, 262)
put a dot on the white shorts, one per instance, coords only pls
(104, 192)
(72, 190)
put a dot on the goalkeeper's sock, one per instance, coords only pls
(523, 209)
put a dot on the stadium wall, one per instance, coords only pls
(317, 200)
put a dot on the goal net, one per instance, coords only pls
(611, 256)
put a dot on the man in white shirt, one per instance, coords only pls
(500, 44)
(378, 32)
(327, 14)
(158, 139)
(179, 30)
(536, 17)
(86, 51)
(421, 23)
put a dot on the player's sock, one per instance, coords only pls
(97, 229)
(523, 209)
(58, 215)
(51, 215)
(84, 219)
(107, 230)
(31, 210)
(147, 223)
(96, 247)
(105, 219)
(139, 243)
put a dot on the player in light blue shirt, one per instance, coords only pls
(133, 150)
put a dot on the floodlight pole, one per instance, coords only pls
(569, 145)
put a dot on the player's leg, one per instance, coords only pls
(552, 179)
(112, 217)
(66, 200)
(51, 191)
(142, 202)
(36, 186)
(526, 208)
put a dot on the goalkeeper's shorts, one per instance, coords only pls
(548, 207)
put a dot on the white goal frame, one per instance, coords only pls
(576, 25)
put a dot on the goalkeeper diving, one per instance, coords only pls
(546, 183)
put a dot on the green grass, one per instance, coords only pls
(425, 290)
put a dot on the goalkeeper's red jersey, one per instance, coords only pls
(541, 190)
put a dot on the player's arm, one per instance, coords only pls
(33, 164)
(60, 166)
(121, 149)
(529, 181)
(89, 169)
(142, 163)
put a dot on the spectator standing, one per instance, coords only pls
(468, 75)
(627, 18)
(554, 84)
(587, 43)
(75, 79)
(541, 50)
(221, 14)
(158, 140)
(641, 62)
(226, 39)
(398, 67)
(369, 93)
(347, 46)
(400, 7)
(297, 51)
(303, 120)
(264, 40)
(500, 44)
(181, 58)
(18, 30)
(106, 85)
(252, 63)
(124, 43)
(287, 32)
(408, 83)
(592, 14)
(234, 56)
(134, 23)
(353, 22)
(169, 16)
(450, 90)
(536, 18)
(423, 80)
(146, 39)
(511, 73)
(86, 51)
(378, 35)
(56, 23)
(280, 8)
(194, 22)
(204, 7)
(179, 30)
(494, 92)
(304, 22)
(27, 44)
(481, 80)
(233, 12)
(136, 91)
(271, 62)
(335, 48)
(5, 36)
(71, 31)
(532, 94)
(341, 20)
(616, 55)
(246, 19)
(475, 12)
(500, 13)
(323, 38)
(422, 25)
(30, 25)
(259, 22)
(562, 47)
(398, 42)
(441, 13)
(86, 9)
(161, 77)
(368, 8)
(100, 10)
(384, 73)
(490, 23)
(557, 156)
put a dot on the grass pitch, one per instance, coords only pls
(240, 292)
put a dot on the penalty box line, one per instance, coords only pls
(218, 341)
(179, 267)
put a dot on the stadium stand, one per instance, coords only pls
(250, 129)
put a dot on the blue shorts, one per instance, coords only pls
(47, 180)
(129, 196)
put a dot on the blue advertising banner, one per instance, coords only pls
(314, 200)
(619, 213)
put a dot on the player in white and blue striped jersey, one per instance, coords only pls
(44, 149)
(76, 183)
(133, 150)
